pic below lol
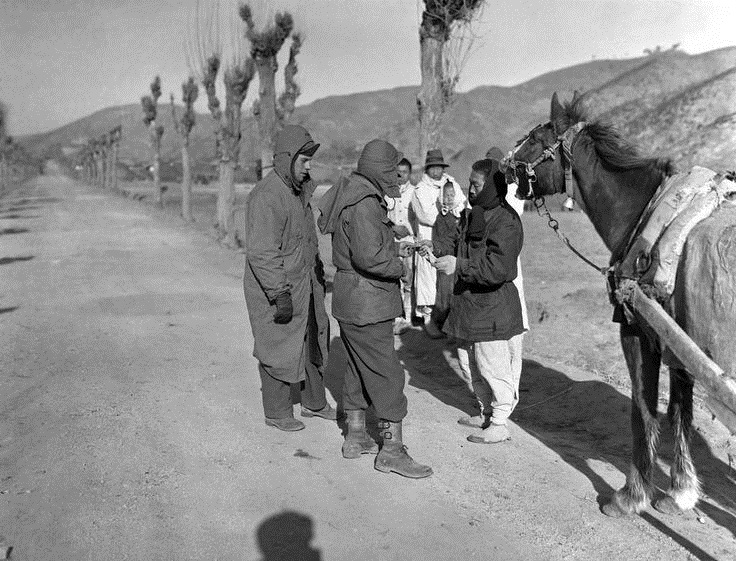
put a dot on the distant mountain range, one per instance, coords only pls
(670, 103)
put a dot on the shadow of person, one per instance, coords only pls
(9, 260)
(588, 421)
(432, 366)
(287, 536)
(585, 422)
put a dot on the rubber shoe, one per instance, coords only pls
(287, 424)
(327, 412)
(492, 435)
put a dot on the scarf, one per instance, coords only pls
(488, 198)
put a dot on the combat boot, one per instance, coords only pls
(393, 455)
(357, 441)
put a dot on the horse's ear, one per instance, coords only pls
(576, 96)
(556, 110)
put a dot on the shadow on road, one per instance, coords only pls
(584, 422)
(8, 309)
(430, 370)
(287, 536)
(21, 208)
(9, 260)
(8, 231)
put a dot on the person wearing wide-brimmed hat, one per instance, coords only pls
(424, 205)
(284, 285)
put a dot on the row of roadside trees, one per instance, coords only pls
(98, 160)
(252, 51)
(235, 70)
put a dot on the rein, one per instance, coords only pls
(566, 139)
(543, 211)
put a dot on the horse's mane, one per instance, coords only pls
(613, 150)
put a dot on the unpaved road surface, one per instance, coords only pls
(131, 425)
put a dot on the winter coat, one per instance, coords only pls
(282, 254)
(445, 234)
(424, 206)
(485, 303)
(366, 285)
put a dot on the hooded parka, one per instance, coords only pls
(485, 304)
(282, 255)
(366, 285)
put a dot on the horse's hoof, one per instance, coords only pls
(667, 505)
(613, 510)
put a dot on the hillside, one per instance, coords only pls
(671, 102)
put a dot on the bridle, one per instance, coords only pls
(566, 140)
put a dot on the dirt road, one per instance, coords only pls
(131, 424)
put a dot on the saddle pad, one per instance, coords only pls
(683, 201)
(672, 241)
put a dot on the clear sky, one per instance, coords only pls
(64, 59)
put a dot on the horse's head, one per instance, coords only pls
(536, 164)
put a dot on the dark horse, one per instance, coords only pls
(613, 184)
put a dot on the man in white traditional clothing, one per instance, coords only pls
(398, 214)
(515, 343)
(424, 206)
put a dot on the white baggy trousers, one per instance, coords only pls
(494, 369)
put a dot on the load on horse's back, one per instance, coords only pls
(671, 238)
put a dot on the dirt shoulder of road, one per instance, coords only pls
(131, 425)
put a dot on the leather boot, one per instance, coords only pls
(357, 441)
(393, 455)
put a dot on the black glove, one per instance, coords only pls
(284, 308)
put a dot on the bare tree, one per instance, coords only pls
(99, 157)
(205, 57)
(156, 132)
(189, 94)
(116, 135)
(445, 38)
(266, 42)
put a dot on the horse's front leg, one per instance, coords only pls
(643, 361)
(685, 487)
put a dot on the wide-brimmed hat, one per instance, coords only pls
(435, 158)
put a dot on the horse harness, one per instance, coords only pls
(565, 140)
(665, 225)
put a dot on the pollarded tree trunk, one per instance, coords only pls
(186, 183)
(108, 164)
(100, 172)
(267, 109)
(157, 170)
(431, 98)
(226, 199)
(114, 176)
